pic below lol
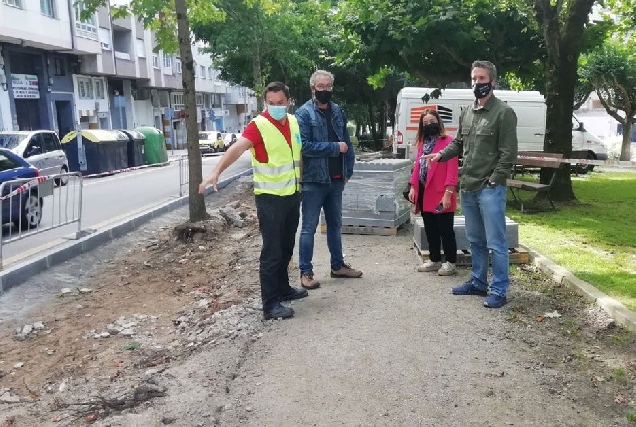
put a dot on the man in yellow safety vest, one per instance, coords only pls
(273, 137)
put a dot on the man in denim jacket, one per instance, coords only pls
(328, 160)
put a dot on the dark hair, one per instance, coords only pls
(276, 87)
(488, 66)
(419, 138)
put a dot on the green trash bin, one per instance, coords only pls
(154, 146)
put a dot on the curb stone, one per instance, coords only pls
(17, 273)
(621, 314)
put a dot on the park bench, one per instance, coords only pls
(522, 164)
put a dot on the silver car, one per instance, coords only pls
(41, 148)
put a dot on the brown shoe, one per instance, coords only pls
(307, 281)
(346, 272)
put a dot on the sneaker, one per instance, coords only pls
(346, 272)
(307, 281)
(468, 289)
(447, 269)
(495, 301)
(279, 311)
(295, 293)
(429, 266)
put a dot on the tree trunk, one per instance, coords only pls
(627, 137)
(257, 75)
(558, 135)
(195, 176)
(562, 32)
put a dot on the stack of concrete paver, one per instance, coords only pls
(459, 226)
(373, 196)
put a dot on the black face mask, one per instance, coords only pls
(323, 96)
(482, 89)
(431, 129)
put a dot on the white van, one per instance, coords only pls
(528, 105)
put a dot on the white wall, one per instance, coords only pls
(144, 114)
(5, 111)
(31, 25)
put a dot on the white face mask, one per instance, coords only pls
(277, 111)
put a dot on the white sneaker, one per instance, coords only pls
(447, 269)
(429, 266)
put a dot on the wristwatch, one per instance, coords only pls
(491, 184)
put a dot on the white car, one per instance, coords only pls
(41, 148)
(229, 139)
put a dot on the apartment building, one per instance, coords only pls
(59, 71)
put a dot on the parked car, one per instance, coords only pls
(229, 139)
(210, 142)
(41, 148)
(25, 208)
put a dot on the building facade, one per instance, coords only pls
(61, 72)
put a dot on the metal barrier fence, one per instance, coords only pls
(24, 204)
(184, 175)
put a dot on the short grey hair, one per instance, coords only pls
(487, 65)
(312, 79)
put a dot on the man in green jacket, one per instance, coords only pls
(487, 139)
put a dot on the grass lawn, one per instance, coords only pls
(595, 237)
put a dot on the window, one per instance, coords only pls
(85, 88)
(167, 61)
(7, 163)
(155, 60)
(87, 28)
(14, 3)
(104, 38)
(49, 142)
(99, 89)
(177, 101)
(58, 67)
(199, 97)
(203, 73)
(46, 7)
(141, 48)
(210, 73)
(178, 64)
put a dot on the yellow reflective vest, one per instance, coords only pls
(280, 176)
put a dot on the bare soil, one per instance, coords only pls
(170, 322)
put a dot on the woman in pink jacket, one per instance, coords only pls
(433, 194)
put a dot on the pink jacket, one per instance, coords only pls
(439, 176)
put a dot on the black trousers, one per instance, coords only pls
(278, 218)
(439, 232)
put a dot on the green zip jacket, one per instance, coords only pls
(487, 140)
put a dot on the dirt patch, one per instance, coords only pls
(167, 324)
(150, 306)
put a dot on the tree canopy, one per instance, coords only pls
(611, 72)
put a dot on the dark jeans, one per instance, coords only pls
(278, 218)
(327, 197)
(439, 232)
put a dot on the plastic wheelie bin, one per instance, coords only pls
(105, 150)
(154, 146)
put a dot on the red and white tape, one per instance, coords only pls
(26, 186)
(615, 163)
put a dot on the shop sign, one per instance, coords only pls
(25, 86)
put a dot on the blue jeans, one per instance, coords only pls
(329, 198)
(485, 214)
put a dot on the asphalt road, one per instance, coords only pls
(105, 200)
